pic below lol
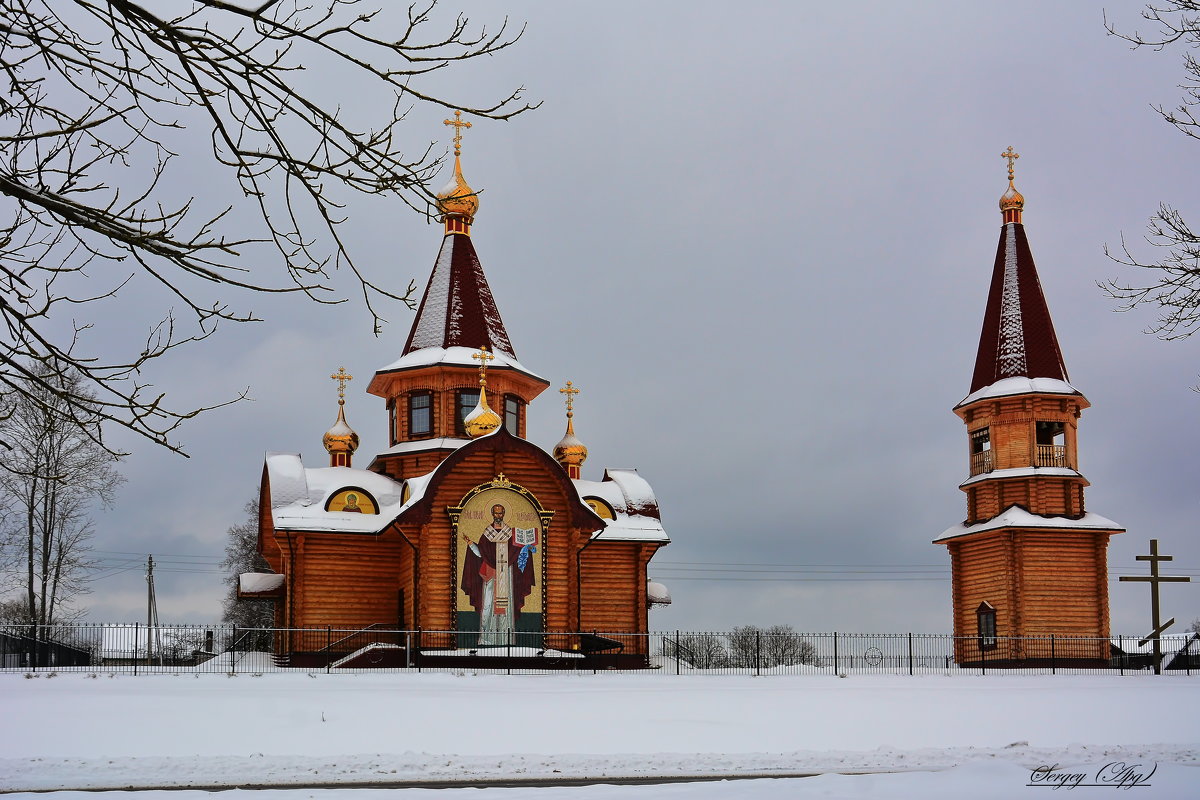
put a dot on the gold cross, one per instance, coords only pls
(341, 376)
(484, 357)
(1011, 156)
(458, 124)
(570, 391)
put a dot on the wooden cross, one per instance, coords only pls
(1154, 579)
(1012, 156)
(341, 376)
(458, 124)
(483, 356)
(570, 391)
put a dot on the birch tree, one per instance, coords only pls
(56, 476)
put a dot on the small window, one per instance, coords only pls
(986, 616)
(466, 402)
(512, 414)
(420, 414)
(393, 432)
(601, 508)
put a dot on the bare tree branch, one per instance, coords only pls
(110, 109)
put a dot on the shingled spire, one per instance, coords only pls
(1018, 338)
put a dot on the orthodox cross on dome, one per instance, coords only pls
(570, 391)
(341, 376)
(458, 124)
(1154, 579)
(483, 356)
(1010, 154)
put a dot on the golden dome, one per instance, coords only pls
(1012, 199)
(570, 451)
(482, 420)
(457, 198)
(341, 438)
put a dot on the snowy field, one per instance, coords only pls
(935, 735)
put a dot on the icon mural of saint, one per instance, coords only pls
(498, 573)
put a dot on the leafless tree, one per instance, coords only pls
(242, 555)
(776, 646)
(1172, 281)
(203, 150)
(54, 478)
(700, 650)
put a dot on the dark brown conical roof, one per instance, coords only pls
(457, 309)
(1018, 338)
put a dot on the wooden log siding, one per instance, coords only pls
(611, 573)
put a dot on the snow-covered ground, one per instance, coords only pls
(943, 735)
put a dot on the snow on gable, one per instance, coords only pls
(298, 503)
(635, 509)
(285, 474)
(1019, 385)
(1022, 472)
(1017, 517)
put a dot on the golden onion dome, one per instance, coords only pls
(570, 451)
(482, 420)
(341, 438)
(1012, 199)
(457, 197)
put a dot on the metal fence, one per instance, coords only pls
(134, 648)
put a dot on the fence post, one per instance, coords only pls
(757, 652)
(1053, 658)
(417, 655)
(910, 655)
(676, 651)
(1121, 658)
(508, 650)
(233, 643)
(407, 649)
(983, 657)
(328, 652)
(136, 636)
(835, 653)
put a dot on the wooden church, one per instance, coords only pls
(464, 535)
(1029, 560)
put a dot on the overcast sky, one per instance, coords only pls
(759, 238)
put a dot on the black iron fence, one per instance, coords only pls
(134, 648)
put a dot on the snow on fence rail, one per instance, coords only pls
(135, 648)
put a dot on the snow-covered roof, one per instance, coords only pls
(258, 582)
(1017, 517)
(658, 594)
(1022, 472)
(1006, 387)
(425, 444)
(635, 509)
(299, 494)
(456, 356)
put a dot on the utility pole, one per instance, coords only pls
(151, 611)
(1154, 579)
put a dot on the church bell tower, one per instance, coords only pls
(1029, 563)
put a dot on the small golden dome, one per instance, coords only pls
(482, 420)
(341, 438)
(1012, 199)
(570, 451)
(457, 197)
